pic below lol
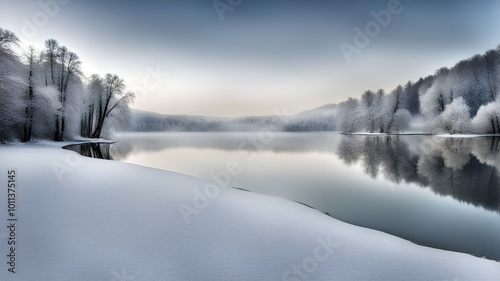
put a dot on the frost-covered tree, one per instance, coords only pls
(69, 65)
(433, 100)
(72, 90)
(394, 117)
(374, 112)
(487, 120)
(62, 71)
(42, 95)
(12, 86)
(492, 62)
(378, 109)
(476, 80)
(42, 100)
(411, 99)
(349, 116)
(12, 103)
(455, 119)
(368, 109)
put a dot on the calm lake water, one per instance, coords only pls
(434, 191)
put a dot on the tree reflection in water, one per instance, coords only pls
(93, 150)
(464, 168)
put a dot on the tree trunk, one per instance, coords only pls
(29, 106)
(52, 68)
(63, 123)
(57, 131)
(91, 120)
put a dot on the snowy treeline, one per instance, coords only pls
(376, 112)
(45, 95)
(463, 99)
(320, 119)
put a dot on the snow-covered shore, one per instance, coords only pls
(87, 219)
(441, 135)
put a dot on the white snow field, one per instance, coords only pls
(107, 220)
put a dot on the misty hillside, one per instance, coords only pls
(319, 119)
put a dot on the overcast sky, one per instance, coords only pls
(265, 54)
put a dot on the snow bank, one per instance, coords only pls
(464, 136)
(86, 219)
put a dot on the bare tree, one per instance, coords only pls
(93, 105)
(7, 40)
(33, 59)
(114, 97)
(69, 64)
(51, 46)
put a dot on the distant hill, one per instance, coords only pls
(318, 119)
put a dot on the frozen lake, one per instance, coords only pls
(434, 191)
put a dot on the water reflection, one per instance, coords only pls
(327, 171)
(93, 150)
(153, 142)
(464, 168)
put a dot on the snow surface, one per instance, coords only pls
(107, 220)
(386, 134)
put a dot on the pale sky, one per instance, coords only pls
(264, 55)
